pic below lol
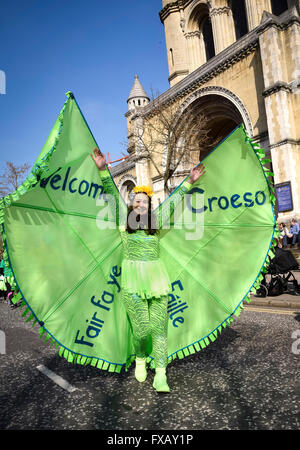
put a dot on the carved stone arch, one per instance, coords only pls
(223, 92)
(222, 111)
(125, 186)
(194, 13)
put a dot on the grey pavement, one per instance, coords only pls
(248, 379)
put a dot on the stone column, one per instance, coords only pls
(281, 100)
(142, 171)
(255, 11)
(223, 27)
(142, 159)
(196, 50)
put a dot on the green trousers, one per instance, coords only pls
(149, 320)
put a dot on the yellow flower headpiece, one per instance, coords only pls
(146, 189)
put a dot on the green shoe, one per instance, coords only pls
(160, 381)
(140, 369)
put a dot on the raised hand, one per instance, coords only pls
(99, 159)
(196, 173)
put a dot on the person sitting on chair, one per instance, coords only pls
(294, 232)
(284, 234)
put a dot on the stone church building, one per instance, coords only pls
(233, 61)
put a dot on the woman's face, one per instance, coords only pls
(141, 203)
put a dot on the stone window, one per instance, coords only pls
(279, 6)
(208, 37)
(172, 56)
(199, 35)
(239, 17)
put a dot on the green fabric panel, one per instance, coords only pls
(94, 362)
(192, 349)
(186, 351)
(66, 255)
(197, 346)
(180, 354)
(118, 369)
(202, 343)
(99, 364)
(206, 340)
(212, 337)
(105, 365)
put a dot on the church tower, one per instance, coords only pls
(137, 100)
(233, 61)
(137, 97)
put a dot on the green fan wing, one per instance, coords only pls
(218, 242)
(64, 251)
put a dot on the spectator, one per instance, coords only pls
(5, 279)
(294, 232)
(9, 297)
(284, 234)
(2, 284)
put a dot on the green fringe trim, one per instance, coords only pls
(260, 153)
(71, 357)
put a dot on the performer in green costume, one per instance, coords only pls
(77, 274)
(145, 281)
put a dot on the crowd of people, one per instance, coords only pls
(290, 234)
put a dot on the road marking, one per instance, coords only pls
(56, 378)
(272, 311)
(2, 343)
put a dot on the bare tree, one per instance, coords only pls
(11, 177)
(170, 138)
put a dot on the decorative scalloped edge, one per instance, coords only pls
(70, 356)
(76, 358)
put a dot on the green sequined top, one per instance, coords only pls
(149, 250)
(142, 270)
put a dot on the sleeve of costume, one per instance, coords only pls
(164, 213)
(114, 198)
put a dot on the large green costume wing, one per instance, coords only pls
(218, 242)
(65, 250)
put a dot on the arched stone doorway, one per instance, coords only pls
(223, 112)
(222, 117)
(125, 187)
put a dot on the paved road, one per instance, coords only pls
(248, 379)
